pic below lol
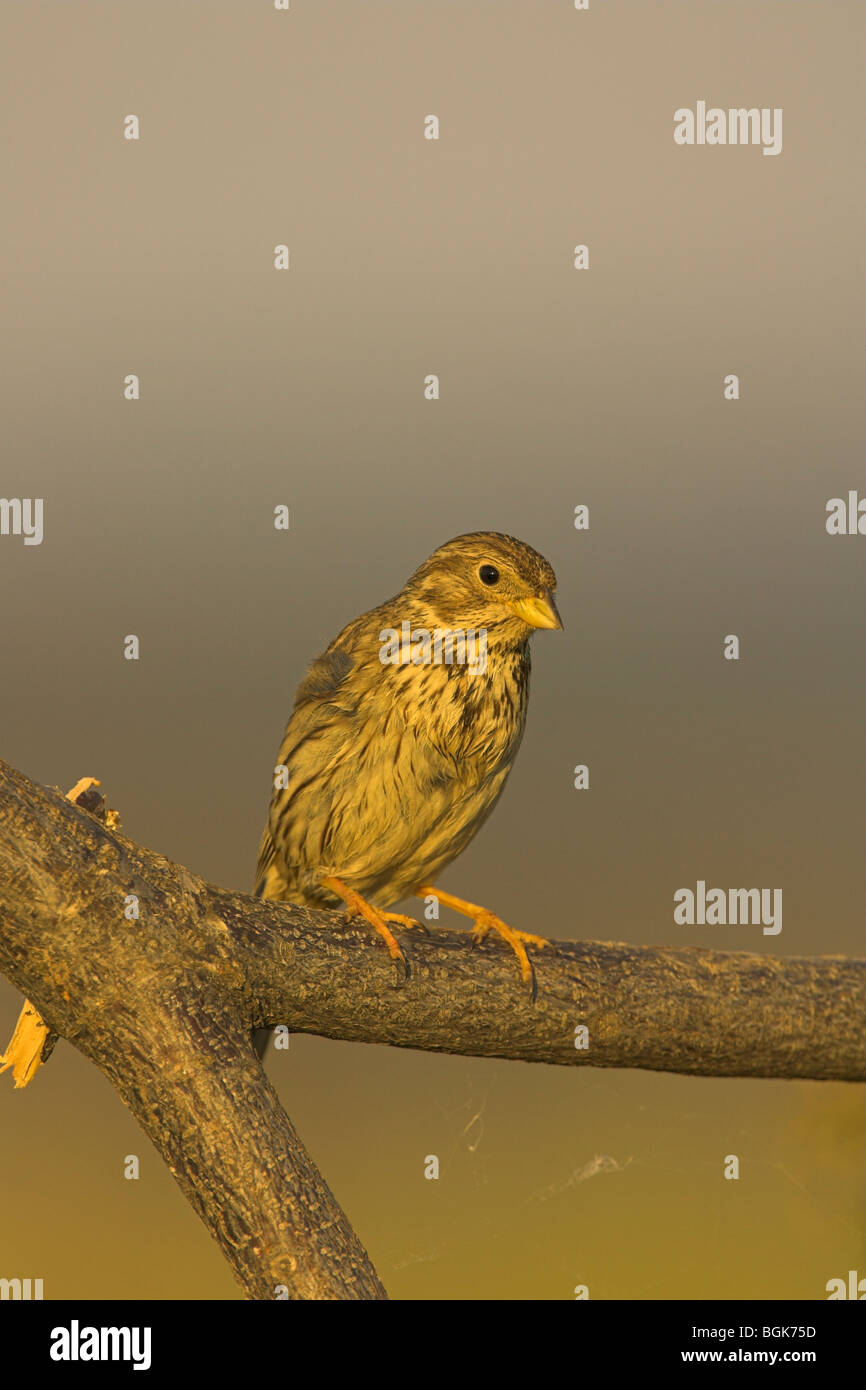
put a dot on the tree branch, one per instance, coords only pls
(165, 1004)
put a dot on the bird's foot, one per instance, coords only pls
(488, 921)
(402, 920)
(484, 921)
(359, 907)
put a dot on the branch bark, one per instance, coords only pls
(165, 1005)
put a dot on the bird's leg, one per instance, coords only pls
(359, 906)
(485, 921)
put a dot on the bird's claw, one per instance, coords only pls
(533, 985)
(488, 921)
(401, 920)
(402, 968)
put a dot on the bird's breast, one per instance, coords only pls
(391, 784)
(473, 720)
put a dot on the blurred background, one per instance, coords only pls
(601, 387)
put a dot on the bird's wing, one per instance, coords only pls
(368, 784)
(315, 737)
(326, 677)
(269, 882)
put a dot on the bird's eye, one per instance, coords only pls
(488, 574)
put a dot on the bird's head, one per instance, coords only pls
(487, 580)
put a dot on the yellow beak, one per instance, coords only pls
(539, 611)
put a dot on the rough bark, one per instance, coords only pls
(165, 1005)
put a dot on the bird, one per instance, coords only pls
(401, 738)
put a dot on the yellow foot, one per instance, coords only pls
(485, 921)
(404, 921)
(359, 907)
(82, 785)
(24, 1053)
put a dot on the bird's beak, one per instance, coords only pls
(539, 611)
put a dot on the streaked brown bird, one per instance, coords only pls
(401, 738)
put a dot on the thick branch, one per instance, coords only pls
(158, 1004)
(164, 1005)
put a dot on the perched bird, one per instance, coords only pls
(402, 736)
